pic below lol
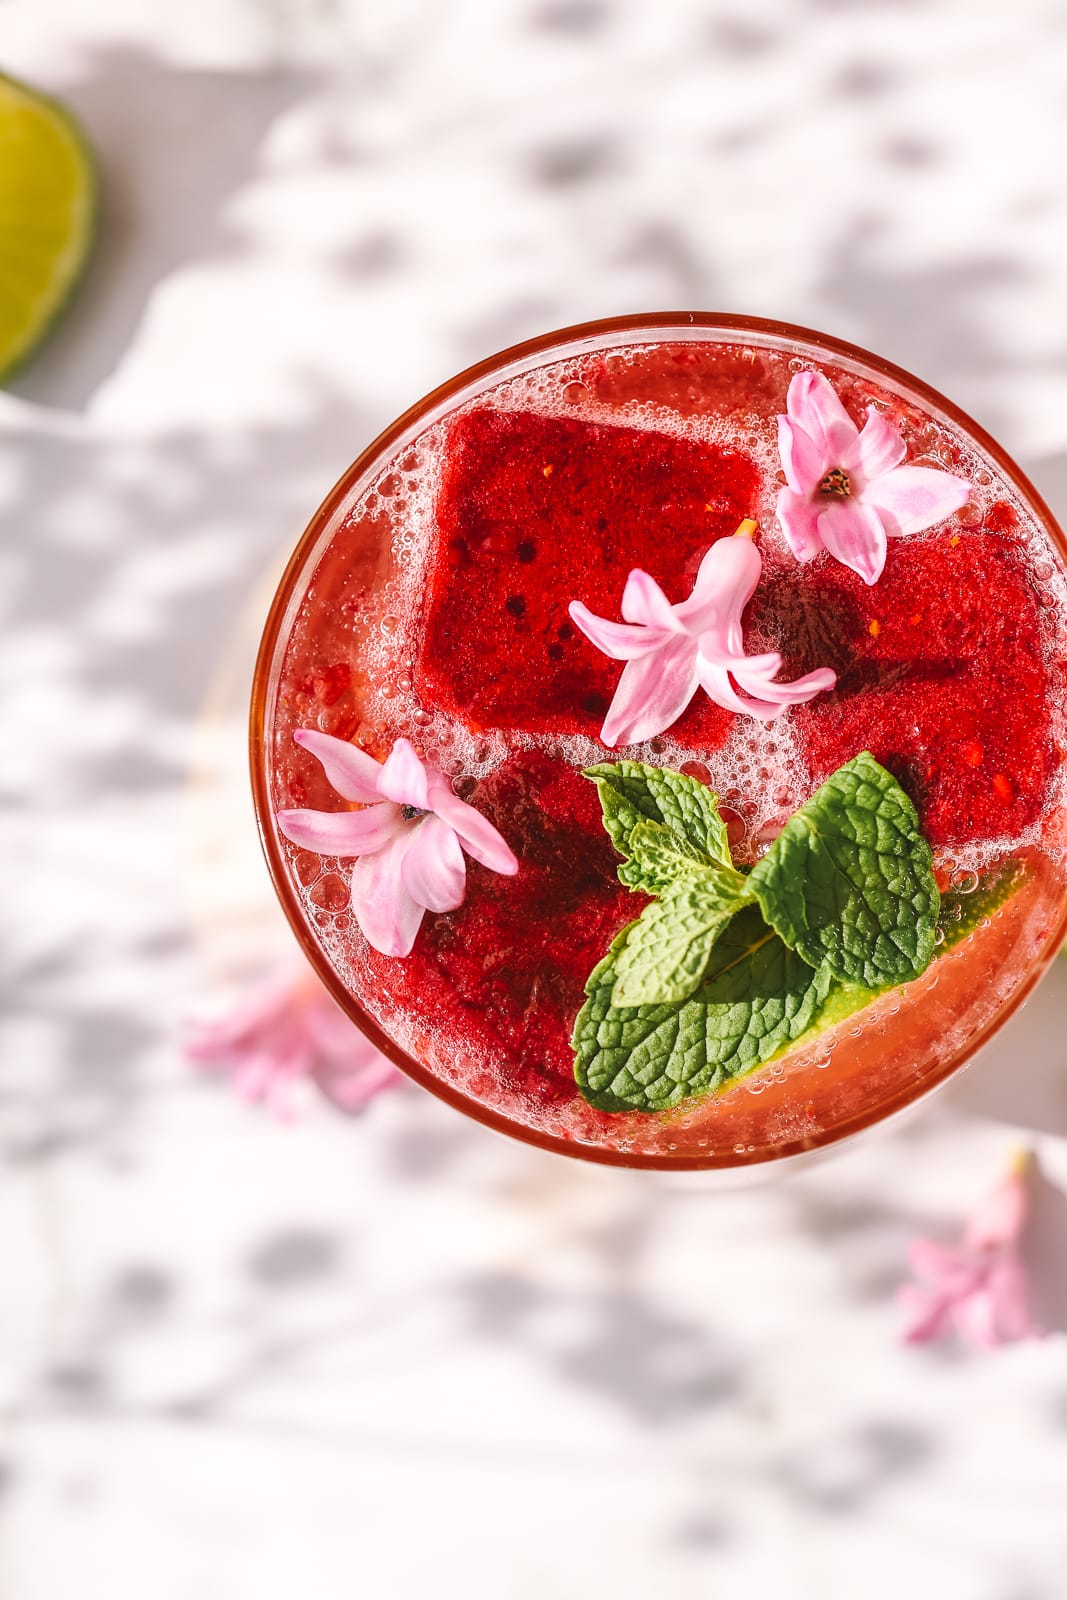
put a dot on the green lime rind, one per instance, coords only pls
(49, 197)
(756, 997)
(960, 915)
(757, 1001)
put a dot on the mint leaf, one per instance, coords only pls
(659, 857)
(669, 945)
(631, 793)
(756, 996)
(960, 915)
(849, 881)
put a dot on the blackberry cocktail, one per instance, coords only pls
(658, 740)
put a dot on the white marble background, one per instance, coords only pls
(398, 1356)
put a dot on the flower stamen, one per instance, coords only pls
(836, 483)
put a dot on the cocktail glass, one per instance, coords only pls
(691, 367)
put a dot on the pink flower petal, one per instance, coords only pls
(644, 603)
(797, 692)
(799, 520)
(715, 681)
(1009, 1291)
(341, 833)
(929, 1315)
(259, 1009)
(286, 1026)
(352, 772)
(252, 1075)
(853, 534)
(284, 1075)
(875, 451)
(615, 639)
(389, 917)
(476, 833)
(403, 778)
(803, 461)
(351, 1088)
(719, 652)
(699, 641)
(981, 1288)
(725, 582)
(909, 499)
(975, 1317)
(652, 694)
(433, 870)
(1001, 1216)
(813, 405)
(934, 1261)
(333, 1035)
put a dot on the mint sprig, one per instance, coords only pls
(961, 914)
(669, 945)
(631, 793)
(756, 995)
(849, 881)
(725, 970)
(671, 941)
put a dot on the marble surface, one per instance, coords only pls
(397, 1355)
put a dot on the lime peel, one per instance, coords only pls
(48, 208)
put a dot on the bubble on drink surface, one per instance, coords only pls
(307, 867)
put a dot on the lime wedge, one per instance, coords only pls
(47, 211)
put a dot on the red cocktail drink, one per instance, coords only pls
(430, 601)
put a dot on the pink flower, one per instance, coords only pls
(980, 1289)
(847, 490)
(409, 837)
(670, 651)
(286, 1027)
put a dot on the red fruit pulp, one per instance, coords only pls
(508, 968)
(942, 675)
(537, 511)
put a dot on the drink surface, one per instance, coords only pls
(436, 610)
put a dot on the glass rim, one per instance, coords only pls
(659, 323)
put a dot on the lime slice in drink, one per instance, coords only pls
(47, 210)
